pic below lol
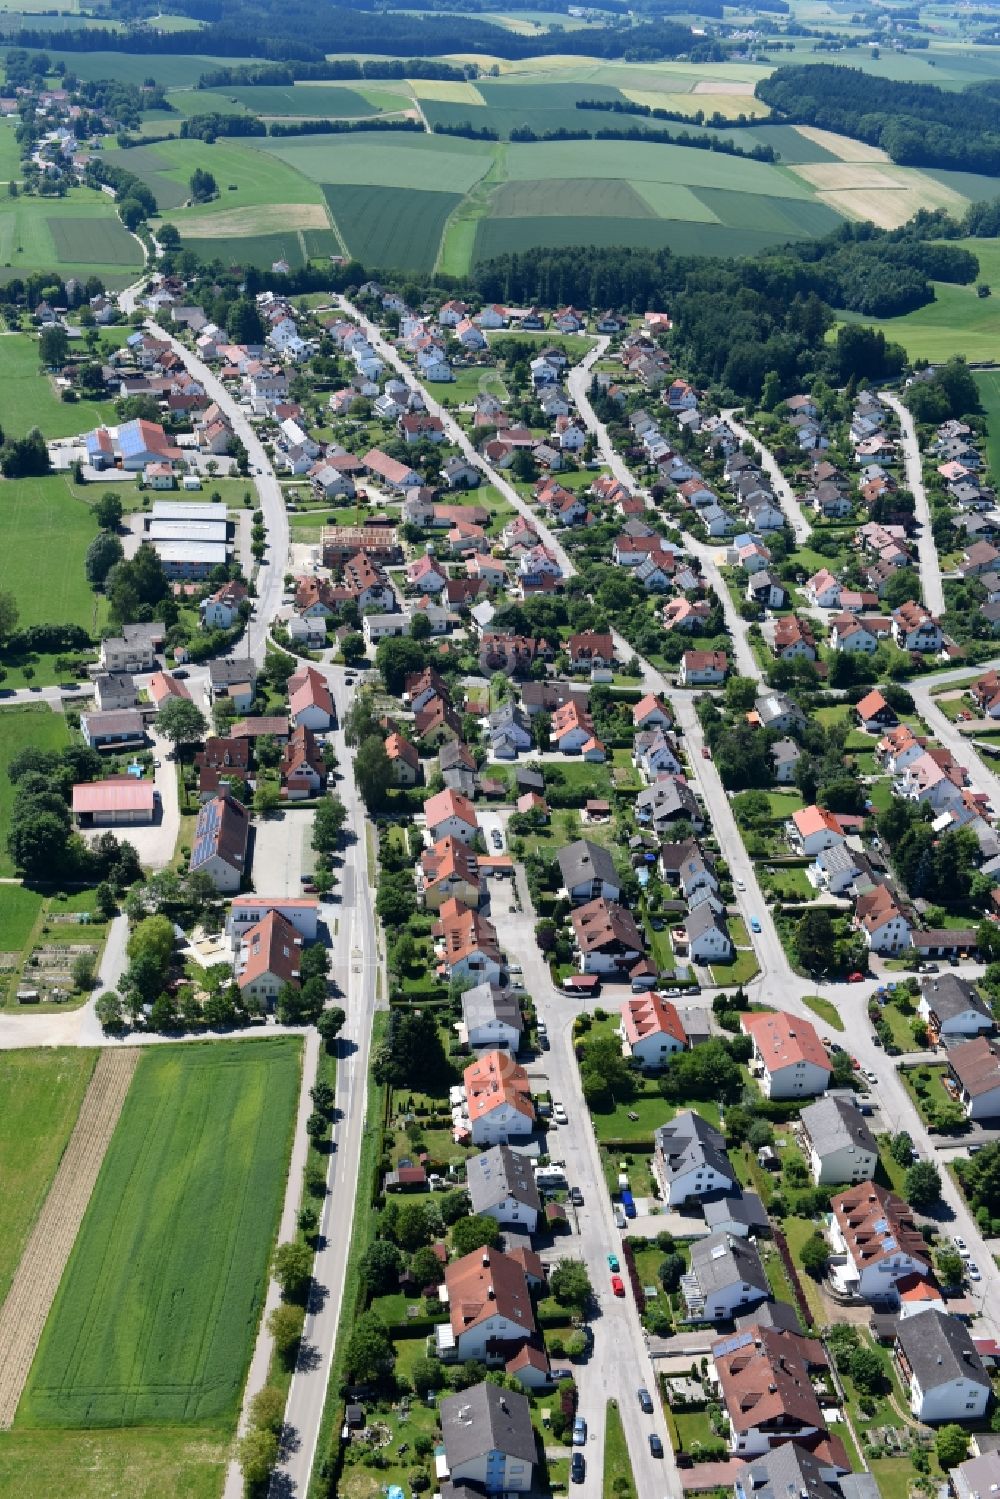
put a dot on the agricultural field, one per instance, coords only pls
(158, 1307)
(300, 101)
(19, 728)
(988, 382)
(391, 230)
(76, 235)
(42, 1092)
(143, 1464)
(29, 399)
(956, 322)
(10, 155)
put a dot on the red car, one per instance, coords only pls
(706, 752)
(855, 978)
(618, 1285)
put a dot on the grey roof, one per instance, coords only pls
(117, 721)
(688, 1142)
(152, 631)
(700, 918)
(948, 995)
(722, 1260)
(115, 681)
(582, 861)
(858, 1486)
(788, 1470)
(506, 716)
(785, 750)
(772, 705)
(498, 1173)
(839, 859)
(938, 1348)
(981, 1475)
(226, 671)
(529, 780)
(486, 1419)
(746, 1208)
(780, 1314)
(834, 1124)
(664, 798)
(484, 1003)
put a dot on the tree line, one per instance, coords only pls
(281, 75)
(525, 133)
(918, 124)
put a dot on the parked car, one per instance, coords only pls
(855, 978)
(755, 923)
(617, 1285)
(958, 1242)
(613, 1262)
(655, 1445)
(579, 1432)
(620, 1219)
(972, 1270)
(740, 884)
(578, 1467)
(559, 1113)
(645, 1400)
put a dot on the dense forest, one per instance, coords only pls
(296, 30)
(918, 124)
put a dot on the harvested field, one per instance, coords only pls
(446, 92)
(36, 1280)
(724, 86)
(848, 176)
(841, 146)
(262, 218)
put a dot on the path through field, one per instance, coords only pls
(23, 1314)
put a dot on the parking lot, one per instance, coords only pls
(281, 854)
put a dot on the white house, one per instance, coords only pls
(703, 668)
(941, 1369)
(652, 1029)
(708, 938)
(492, 1019)
(840, 1146)
(501, 1183)
(690, 1159)
(488, 1439)
(788, 1054)
(726, 1276)
(954, 1007)
(875, 1243)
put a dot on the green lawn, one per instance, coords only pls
(988, 382)
(956, 322)
(936, 1097)
(28, 398)
(19, 908)
(41, 1091)
(741, 970)
(616, 1458)
(158, 1307)
(47, 529)
(825, 1009)
(19, 728)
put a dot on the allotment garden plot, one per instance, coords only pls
(156, 1313)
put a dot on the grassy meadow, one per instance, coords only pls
(42, 1092)
(46, 519)
(155, 1317)
(77, 235)
(29, 399)
(20, 727)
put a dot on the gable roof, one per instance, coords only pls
(835, 1124)
(877, 1224)
(784, 1041)
(724, 1259)
(485, 1284)
(938, 1349)
(651, 1015)
(447, 804)
(582, 861)
(948, 995)
(273, 946)
(498, 1173)
(764, 1376)
(689, 1141)
(601, 923)
(486, 1419)
(976, 1064)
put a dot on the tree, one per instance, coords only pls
(53, 346)
(951, 1446)
(923, 1184)
(181, 721)
(815, 940)
(372, 772)
(330, 1024)
(153, 939)
(203, 185)
(353, 647)
(103, 553)
(331, 814)
(285, 1325)
(380, 1267)
(258, 1455)
(108, 511)
(670, 1272)
(244, 323)
(949, 1267)
(25, 457)
(370, 1353)
(266, 796)
(865, 1368)
(301, 1005)
(84, 972)
(426, 1374)
(110, 1013)
(814, 1254)
(8, 616)
(901, 1148)
(425, 1267)
(415, 1054)
(396, 657)
(318, 1127)
(292, 1265)
(267, 1409)
(475, 1232)
(570, 1284)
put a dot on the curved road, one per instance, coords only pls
(927, 554)
(787, 498)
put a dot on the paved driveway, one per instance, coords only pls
(281, 853)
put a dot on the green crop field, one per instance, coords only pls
(46, 532)
(956, 322)
(170, 70)
(10, 153)
(79, 234)
(299, 102)
(19, 908)
(19, 729)
(401, 228)
(434, 163)
(41, 1091)
(159, 1304)
(297, 246)
(645, 161)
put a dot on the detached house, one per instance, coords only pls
(788, 1054)
(838, 1142)
(488, 1440)
(220, 842)
(588, 872)
(498, 1104)
(726, 1276)
(492, 1019)
(707, 935)
(875, 1243)
(652, 1030)
(882, 921)
(489, 1306)
(874, 713)
(607, 938)
(449, 814)
(915, 629)
(703, 668)
(765, 1377)
(975, 1071)
(814, 828)
(941, 1369)
(953, 1007)
(449, 871)
(501, 1184)
(268, 958)
(690, 1159)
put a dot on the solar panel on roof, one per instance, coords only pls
(731, 1345)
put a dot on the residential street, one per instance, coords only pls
(981, 777)
(786, 495)
(927, 555)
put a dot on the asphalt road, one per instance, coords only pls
(787, 498)
(927, 555)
